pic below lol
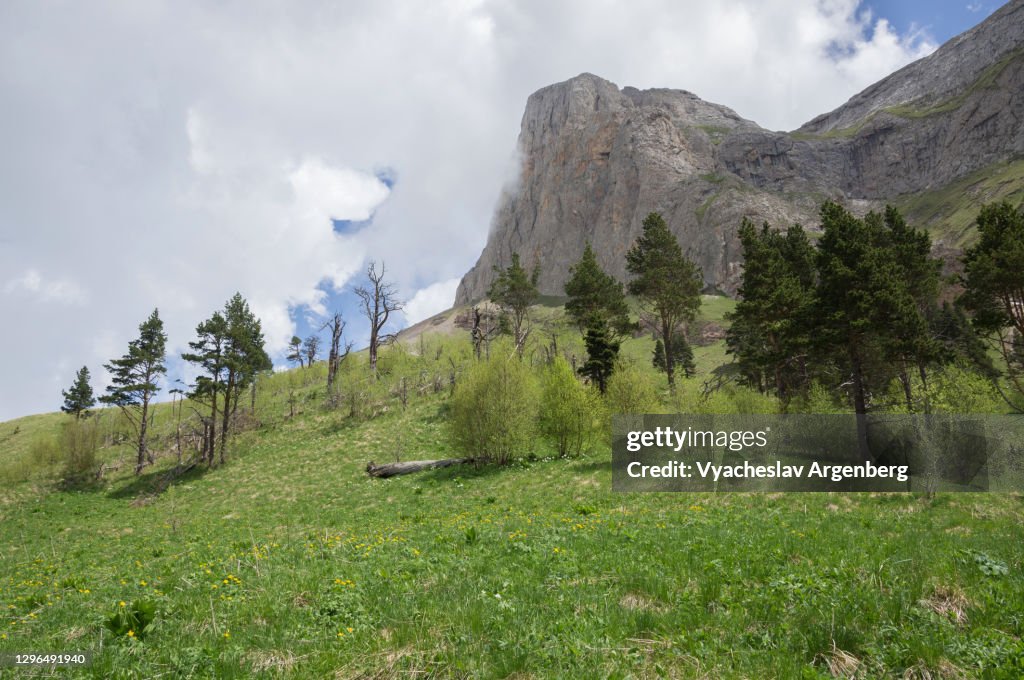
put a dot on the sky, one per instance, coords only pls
(167, 154)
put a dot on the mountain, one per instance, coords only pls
(936, 138)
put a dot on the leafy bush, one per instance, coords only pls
(44, 451)
(80, 440)
(630, 391)
(958, 390)
(818, 400)
(567, 409)
(132, 621)
(494, 408)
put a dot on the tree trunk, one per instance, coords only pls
(143, 422)
(860, 406)
(905, 381)
(373, 350)
(923, 372)
(670, 363)
(395, 469)
(212, 444)
(225, 417)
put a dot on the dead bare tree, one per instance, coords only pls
(379, 300)
(335, 355)
(311, 348)
(485, 327)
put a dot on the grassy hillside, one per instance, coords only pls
(949, 213)
(290, 561)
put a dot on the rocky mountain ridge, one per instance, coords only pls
(596, 159)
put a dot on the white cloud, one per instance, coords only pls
(39, 289)
(431, 300)
(168, 154)
(340, 193)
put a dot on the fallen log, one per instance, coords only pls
(395, 469)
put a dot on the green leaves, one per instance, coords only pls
(597, 305)
(514, 291)
(666, 282)
(132, 621)
(595, 297)
(134, 376)
(994, 269)
(860, 306)
(663, 276)
(78, 398)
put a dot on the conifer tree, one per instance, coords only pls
(913, 343)
(683, 358)
(78, 398)
(134, 380)
(597, 305)
(295, 352)
(515, 291)
(769, 333)
(602, 354)
(245, 357)
(230, 351)
(667, 284)
(994, 289)
(208, 353)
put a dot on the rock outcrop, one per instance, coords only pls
(597, 159)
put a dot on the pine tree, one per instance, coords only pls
(769, 333)
(868, 311)
(134, 380)
(78, 398)
(683, 356)
(244, 358)
(208, 353)
(602, 355)
(514, 291)
(230, 351)
(958, 341)
(994, 288)
(667, 284)
(295, 353)
(597, 305)
(913, 344)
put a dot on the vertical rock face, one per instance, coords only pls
(596, 159)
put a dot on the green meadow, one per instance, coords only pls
(290, 561)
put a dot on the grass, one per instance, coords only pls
(949, 213)
(291, 562)
(986, 79)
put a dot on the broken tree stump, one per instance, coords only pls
(395, 469)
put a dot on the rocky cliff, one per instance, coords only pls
(597, 159)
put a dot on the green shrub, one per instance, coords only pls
(494, 408)
(630, 391)
(567, 409)
(727, 399)
(953, 389)
(819, 400)
(132, 621)
(44, 451)
(80, 440)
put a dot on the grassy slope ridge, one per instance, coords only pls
(291, 562)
